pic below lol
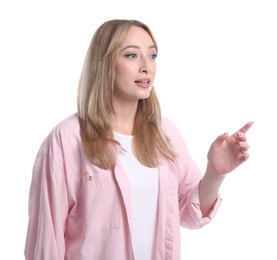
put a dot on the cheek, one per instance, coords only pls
(123, 69)
(153, 67)
(121, 75)
(154, 70)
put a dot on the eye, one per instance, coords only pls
(131, 56)
(153, 56)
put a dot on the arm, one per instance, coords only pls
(188, 176)
(225, 154)
(48, 205)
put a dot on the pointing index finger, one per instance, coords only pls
(246, 127)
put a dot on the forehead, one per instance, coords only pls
(137, 36)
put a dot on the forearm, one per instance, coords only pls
(208, 190)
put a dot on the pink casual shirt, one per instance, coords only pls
(78, 211)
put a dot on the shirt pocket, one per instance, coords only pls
(99, 202)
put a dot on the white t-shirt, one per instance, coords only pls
(144, 194)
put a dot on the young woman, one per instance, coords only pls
(115, 180)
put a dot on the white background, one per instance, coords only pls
(217, 70)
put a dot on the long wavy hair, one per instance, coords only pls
(95, 106)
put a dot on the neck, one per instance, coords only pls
(123, 120)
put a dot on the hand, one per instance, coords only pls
(228, 152)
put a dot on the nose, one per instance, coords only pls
(145, 67)
(145, 70)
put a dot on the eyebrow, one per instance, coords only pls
(137, 47)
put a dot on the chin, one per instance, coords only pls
(146, 94)
(144, 97)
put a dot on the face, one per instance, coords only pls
(135, 66)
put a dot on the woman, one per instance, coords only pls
(115, 180)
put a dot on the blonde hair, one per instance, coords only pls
(95, 106)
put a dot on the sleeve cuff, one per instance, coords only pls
(195, 211)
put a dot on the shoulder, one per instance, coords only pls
(169, 127)
(172, 132)
(64, 133)
(68, 126)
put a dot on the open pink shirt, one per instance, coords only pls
(78, 211)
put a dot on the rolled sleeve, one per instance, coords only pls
(195, 219)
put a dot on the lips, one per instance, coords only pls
(144, 83)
